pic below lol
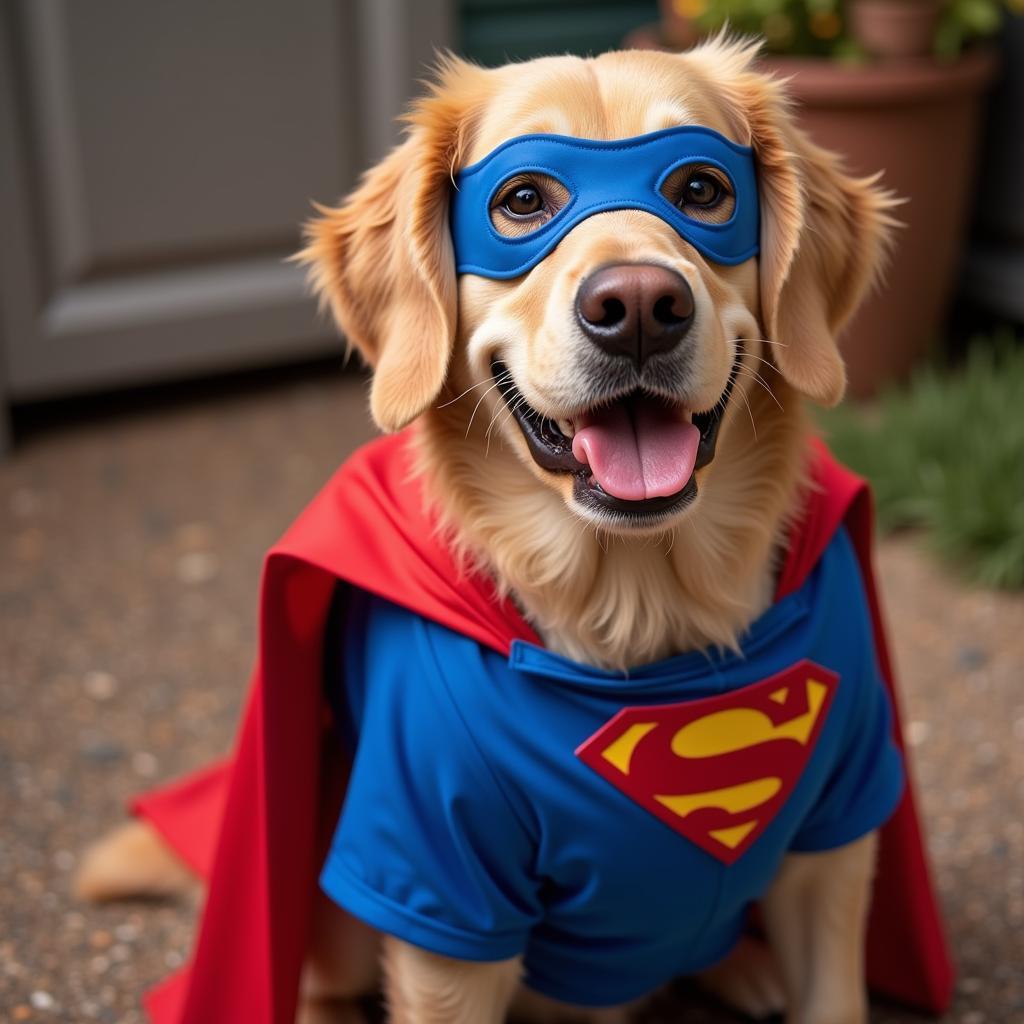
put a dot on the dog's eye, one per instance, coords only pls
(526, 202)
(523, 201)
(701, 190)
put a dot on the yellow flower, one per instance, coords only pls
(825, 24)
(689, 8)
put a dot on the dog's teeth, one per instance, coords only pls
(566, 427)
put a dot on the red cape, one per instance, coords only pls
(255, 826)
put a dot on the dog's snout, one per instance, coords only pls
(635, 309)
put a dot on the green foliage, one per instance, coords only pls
(947, 455)
(819, 28)
(812, 28)
(964, 20)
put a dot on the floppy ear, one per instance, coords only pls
(824, 238)
(383, 260)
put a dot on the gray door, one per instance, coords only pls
(156, 160)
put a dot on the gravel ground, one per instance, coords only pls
(130, 545)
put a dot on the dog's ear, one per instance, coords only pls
(383, 260)
(824, 238)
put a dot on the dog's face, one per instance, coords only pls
(614, 366)
(615, 353)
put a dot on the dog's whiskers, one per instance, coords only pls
(473, 387)
(469, 426)
(749, 374)
(754, 375)
(753, 425)
(763, 341)
(767, 362)
(749, 371)
(496, 423)
(761, 359)
(509, 411)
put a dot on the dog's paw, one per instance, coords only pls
(748, 980)
(131, 861)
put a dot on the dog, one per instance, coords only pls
(524, 379)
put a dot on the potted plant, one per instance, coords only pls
(909, 107)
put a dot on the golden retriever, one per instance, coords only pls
(480, 363)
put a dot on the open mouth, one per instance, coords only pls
(635, 456)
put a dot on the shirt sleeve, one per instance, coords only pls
(867, 782)
(426, 848)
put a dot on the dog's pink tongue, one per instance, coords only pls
(637, 453)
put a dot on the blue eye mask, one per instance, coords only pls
(620, 174)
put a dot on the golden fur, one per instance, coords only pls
(595, 589)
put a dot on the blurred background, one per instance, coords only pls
(169, 399)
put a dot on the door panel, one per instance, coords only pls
(172, 131)
(161, 159)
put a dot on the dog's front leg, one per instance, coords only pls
(424, 988)
(816, 915)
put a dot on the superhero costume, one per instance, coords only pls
(257, 827)
(479, 821)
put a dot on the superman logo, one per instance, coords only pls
(717, 770)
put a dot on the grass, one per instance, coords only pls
(946, 454)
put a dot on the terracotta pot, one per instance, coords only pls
(918, 121)
(894, 28)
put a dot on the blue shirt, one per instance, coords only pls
(471, 828)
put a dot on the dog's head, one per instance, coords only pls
(612, 347)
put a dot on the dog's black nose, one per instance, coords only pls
(635, 309)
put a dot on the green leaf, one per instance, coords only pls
(948, 38)
(980, 16)
(946, 455)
